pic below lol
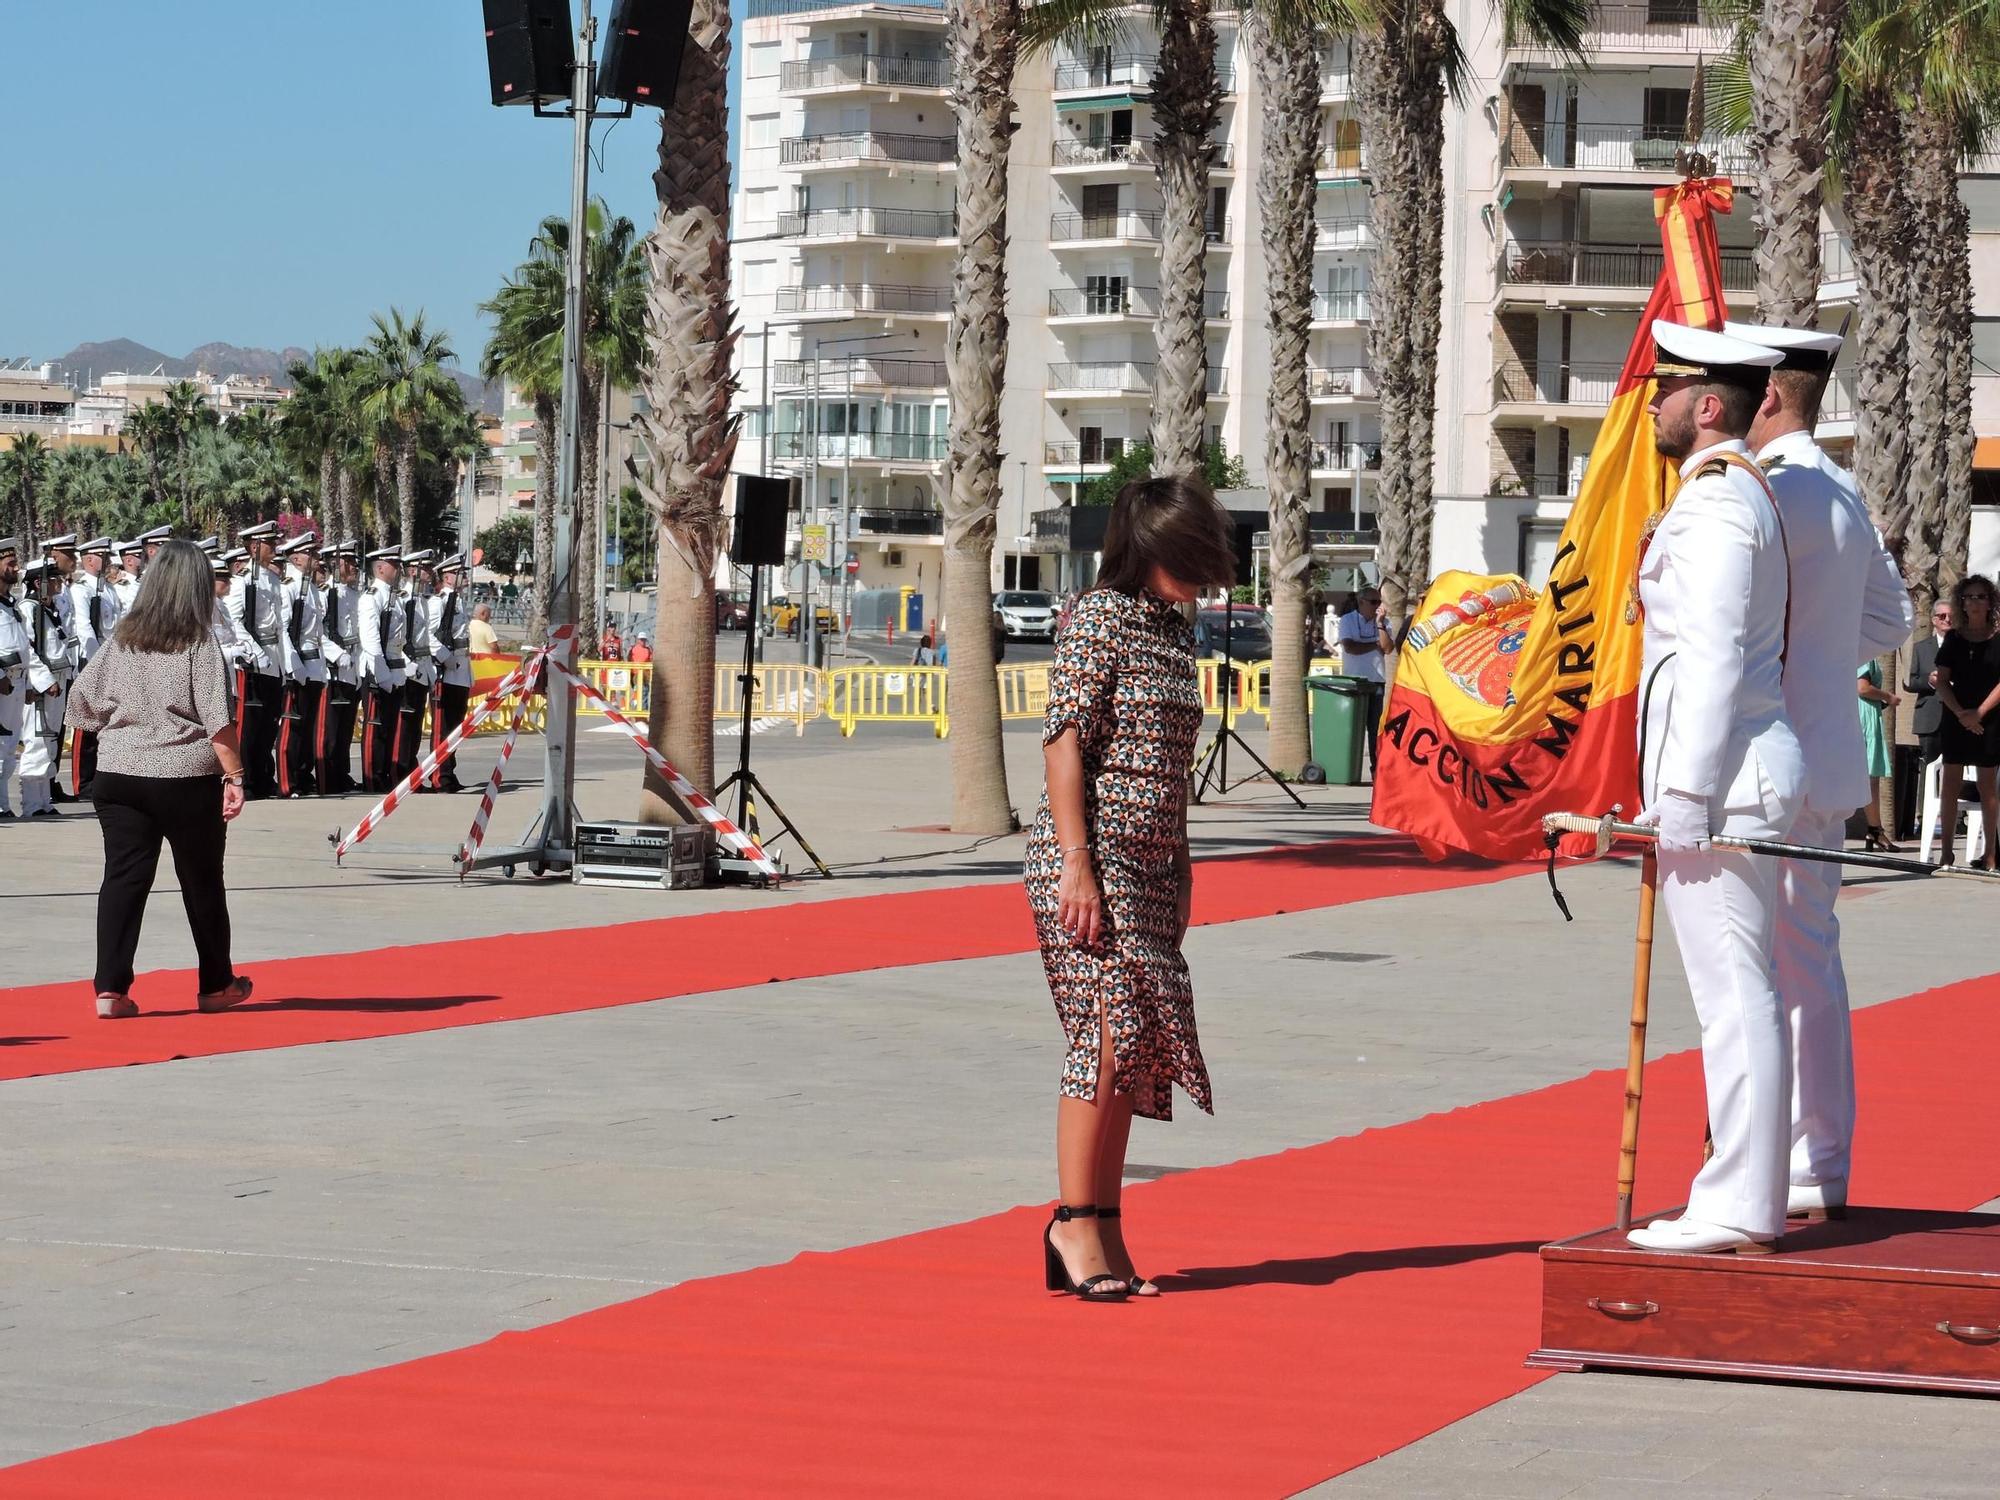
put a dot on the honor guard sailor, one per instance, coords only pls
(158, 537)
(305, 611)
(1848, 607)
(42, 725)
(451, 640)
(131, 563)
(257, 609)
(93, 615)
(383, 668)
(340, 637)
(419, 574)
(1718, 755)
(22, 675)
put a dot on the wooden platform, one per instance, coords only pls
(1887, 1297)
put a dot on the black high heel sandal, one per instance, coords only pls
(1137, 1280)
(1103, 1287)
(1879, 842)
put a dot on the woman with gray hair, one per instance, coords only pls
(157, 697)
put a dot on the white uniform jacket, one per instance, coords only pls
(422, 650)
(93, 615)
(17, 659)
(383, 664)
(49, 669)
(451, 638)
(340, 632)
(127, 589)
(305, 612)
(1714, 583)
(1848, 600)
(258, 609)
(224, 630)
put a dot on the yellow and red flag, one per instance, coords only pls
(1507, 703)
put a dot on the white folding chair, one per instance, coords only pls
(1974, 844)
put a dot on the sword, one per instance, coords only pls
(1608, 827)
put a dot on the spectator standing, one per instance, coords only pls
(168, 768)
(1968, 685)
(642, 651)
(926, 653)
(1927, 718)
(1875, 750)
(1361, 635)
(484, 638)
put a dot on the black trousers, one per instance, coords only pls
(381, 713)
(333, 739)
(82, 761)
(409, 746)
(260, 701)
(1377, 692)
(297, 730)
(447, 713)
(135, 813)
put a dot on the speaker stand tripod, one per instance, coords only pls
(743, 778)
(1211, 770)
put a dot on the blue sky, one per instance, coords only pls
(355, 165)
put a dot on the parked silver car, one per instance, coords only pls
(1023, 615)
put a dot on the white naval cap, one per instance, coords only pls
(35, 572)
(10, 546)
(305, 541)
(234, 555)
(219, 566)
(97, 545)
(346, 548)
(263, 531)
(453, 564)
(157, 534)
(388, 555)
(126, 549)
(424, 559)
(1798, 348)
(208, 544)
(64, 543)
(1705, 354)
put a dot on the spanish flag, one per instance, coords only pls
(1509, 704)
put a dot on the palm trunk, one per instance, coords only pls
(688, 430)
(590, 540)
(1935, 315)
(406, 486)
(329, 495)
(985, 45)
(1400, 90)
(385, 488)
(1793, 68)
(546, 419)
(187, 489)
(1878, 216)
(350, 510)
(1186, 104)
(1288, 75)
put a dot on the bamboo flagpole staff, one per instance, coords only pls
(1635, 1045)
(1608, 827)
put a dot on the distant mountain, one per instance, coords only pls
(88, 362)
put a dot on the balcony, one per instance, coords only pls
(761, 9)
(1123, 70)
(1341, 163)
(1139, 225)
(1101, 453)
(1125, 302)
(1568, 263)
(1597, 149)
(862, 71)
(1338, 232)
(872, 520)
(1104, 377)
(868, 146)
(868, 224)
(1566, 383)
(840, 373)
(1642, 30)
(1340, 307)
(1111, 155)
(866, 297)
(1352, 383)
(1336, 74)
(1346, 458)
(918, 448)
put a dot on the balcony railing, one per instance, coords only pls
(1340, 307)
(1569, 263)
(873, 447)
(1356, 381)
(877, 223)
(863, 70)
(1558, 146)
(867, 145)
(1341, 161)
(1336, 72)
(1661, 26)
(1121, 70)
(836, 372)
(1837, 404)
(1103, 451)
(1137, 225)
(864, 297)
(1126, 302)
(888, 521)
(1836, 259)
(1345, 232)
(1566, 383)
(1218, 381)
(1088, 153)
(1111, 375)
(1346, 458)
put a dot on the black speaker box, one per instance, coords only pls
(758, 538)
(530, 52)
(642, 51)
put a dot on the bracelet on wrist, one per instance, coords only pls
(1073, 848)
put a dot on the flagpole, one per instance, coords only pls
(1635, 1046)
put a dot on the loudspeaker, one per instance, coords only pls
(530, 51)
(758, 538)
(642, 51)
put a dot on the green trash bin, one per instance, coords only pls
(1338, 711)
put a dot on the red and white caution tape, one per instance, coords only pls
(486, 708)
(469, 850)
(727, 832)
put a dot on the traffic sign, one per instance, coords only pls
(815, 544)
(853, 564)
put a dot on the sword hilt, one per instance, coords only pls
(1602, 829)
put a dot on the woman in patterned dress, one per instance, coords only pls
(1107, 868)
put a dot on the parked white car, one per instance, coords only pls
(1026, 616)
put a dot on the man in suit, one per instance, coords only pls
(1927, 718)
(1718, 755)
(1848, 606)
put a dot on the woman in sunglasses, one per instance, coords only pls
(1968, 685)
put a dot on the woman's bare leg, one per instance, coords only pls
(1989, 808)
(1081, 1128)
(1111, 1186)
(1949, 778)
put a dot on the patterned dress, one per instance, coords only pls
(1124, 679)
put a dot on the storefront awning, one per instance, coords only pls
(1986, 453)
(1121, 100)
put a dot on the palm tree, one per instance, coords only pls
(526, 350)
(689, 429)
(151, 430)
(1792, 66)
(1407, 59)
(405, 386)
(313, 427)
(22, 469)
(187, 413)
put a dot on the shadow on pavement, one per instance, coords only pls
(1324, 1270)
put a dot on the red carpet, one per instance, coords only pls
(51, 1028)
(1332, 1303)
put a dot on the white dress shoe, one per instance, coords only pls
(1693, 1237)
(1816, 1201)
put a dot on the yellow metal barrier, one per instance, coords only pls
(1024, 690)
(783, 690)
(629, 687)
(887, 695)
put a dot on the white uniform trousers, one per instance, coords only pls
(10, 748)
(1723, 905)
(41, 751)
(1813, 987)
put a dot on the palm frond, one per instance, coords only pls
(1076, 23)
(1555, 24)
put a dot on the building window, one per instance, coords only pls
(1666, 114)
(760, 131)
(762, 61)
(1673, 13)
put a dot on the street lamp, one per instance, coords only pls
(812, 623)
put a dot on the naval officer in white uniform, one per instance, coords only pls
(1848, 607)
(1719, 756)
